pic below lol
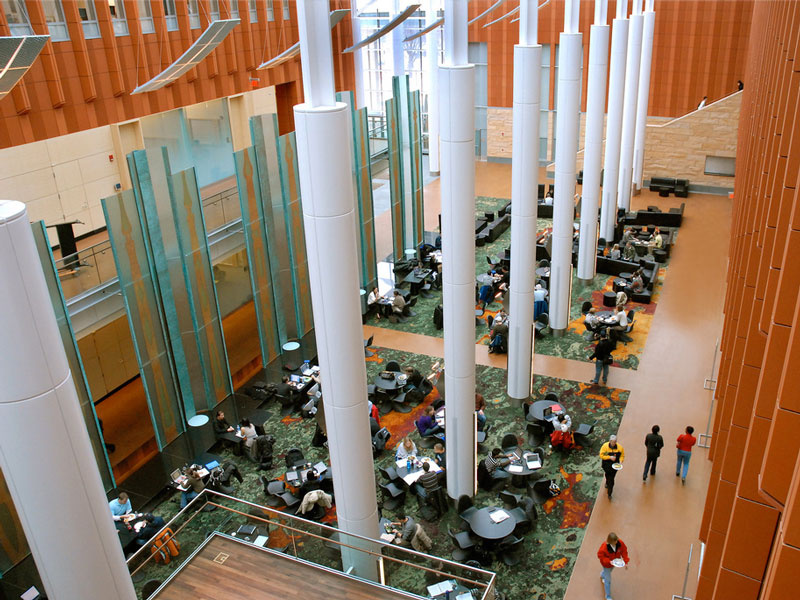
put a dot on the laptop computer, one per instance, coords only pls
(295, 378)
(178, 477)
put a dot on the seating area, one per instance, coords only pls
(669, 185)
(653, 216)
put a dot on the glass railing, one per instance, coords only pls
(86, 269)
(319, 546)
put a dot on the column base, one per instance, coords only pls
(559, 332)
(517, 402)
(586, 281)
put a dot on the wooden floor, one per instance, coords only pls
(249, 573)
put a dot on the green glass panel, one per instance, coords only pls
(415, 147)
(145, 318)
(395, 151)
(72, 352)
(255, 236)
(187, 213)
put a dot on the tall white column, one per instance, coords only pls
(625, 180)
(569, 87)
(644, 93)
(616, 91)
(524, 197)
(358, 57)
(52, 476)
(432, 75)
(457, 112)
(329, 215)
(593, 141)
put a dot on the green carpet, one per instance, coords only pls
(550, 550)
(572, 345)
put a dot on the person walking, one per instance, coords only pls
(611, 453)
(685, 443)
(602, 357)
(654, 443)
(611, 552)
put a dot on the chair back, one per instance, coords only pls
(464, 502)
(543, 318)
(509, 441)
(294, 457)
(369, 341)
(551, 397)
(393, 365)
(585, 307)
(544, 263)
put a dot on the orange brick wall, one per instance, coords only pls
(699, 49)
(80, 84)
(751, 522)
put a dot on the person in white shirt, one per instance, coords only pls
(615, 253)
(248, 432)
(591, 319)
(372, 302)
(405, 449)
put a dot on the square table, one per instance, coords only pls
(410, 477)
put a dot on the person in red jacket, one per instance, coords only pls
(612, 550)
(685, 443)
(561, 438)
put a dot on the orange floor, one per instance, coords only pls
(658, 520)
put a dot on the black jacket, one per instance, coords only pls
(654, 443)
(603, 350)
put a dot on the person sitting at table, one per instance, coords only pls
(429, 486)
(414, 376)
(221, 425)
(412, 534)
(426, 424)
(373, 302)
(615, 253)
(496, 462)
(629, 253)
(539, 300)
(627, 236)
(622, 299)
(374, 413)
(120, 506)
(224, 431)
(284, 389)
(405, 449)
(439, 455)
(485, 295)
(195, 485)
(398, 303)
(591, 320)
(480, 408)
(561, 438)
(152, 524)
(622, 322)
(548, 199)
(564, 419)
(656, 241)
(637, 283)
(311, 483)
(248, 432)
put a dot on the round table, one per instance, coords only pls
(291, 346)
(660, 256)
(388, 384)
(482, 525)
(620, 284)
(543, 272)
(625, 275)
(536, 409)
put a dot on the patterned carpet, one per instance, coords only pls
(549, 551)
(572, 345)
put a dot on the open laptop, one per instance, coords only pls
(177, 477)
(295, 378)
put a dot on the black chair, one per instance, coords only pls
(536, 435)
(509, 443)
(509, 499)
(544, 263)
(315, 514)
(393, 496)
(383, 401)
(287, 404)
(367, 344)
(584, 431)
(510, 550)
(389, 473)
(524, 523)
(426, 441)
(149, 588)
(407, 312)
(462, 543)
(551, 397)
(399, 403)
(585, 308)
(541, 323)
(540, 491)
(393, 365)
(295, 458)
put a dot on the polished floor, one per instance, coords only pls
(659, 520)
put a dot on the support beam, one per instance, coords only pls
(593, 142)
(38, 389)
(644, 93)
(625, 180)
(616, 90)
(329, 215)
(569, 88)
(432, 74)
(358, 60)
(524, 198)
(457, 112)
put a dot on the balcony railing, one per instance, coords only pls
(315, 544)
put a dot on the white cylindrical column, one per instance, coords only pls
(593, 150)
(329, 215)
(616, 91)
(457, 131)
(625, 180)
(38, 394)
(644, 93)
(567, 119)
(524, 197)
(432, 75)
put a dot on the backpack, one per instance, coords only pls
(438, 317)
(165, 547)
(380, 439)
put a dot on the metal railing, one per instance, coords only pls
(315, 544)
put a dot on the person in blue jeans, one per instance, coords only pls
(685, 443)
(602, 357)
(195, 484)
(427, 423)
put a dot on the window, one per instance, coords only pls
(17, 18)
(234, 9)
(720, 165)
(118, 21)
(171, 15)
(56, 24)
(194, 14)
(253, 11)
(88, 19)
(270, 11)
(286, 14)
(146, 16)
(214, 4)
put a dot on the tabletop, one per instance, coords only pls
(410, 477)
(543, 272)
(537, 409)
(395, 383)
(485, 527)
(519, 465)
